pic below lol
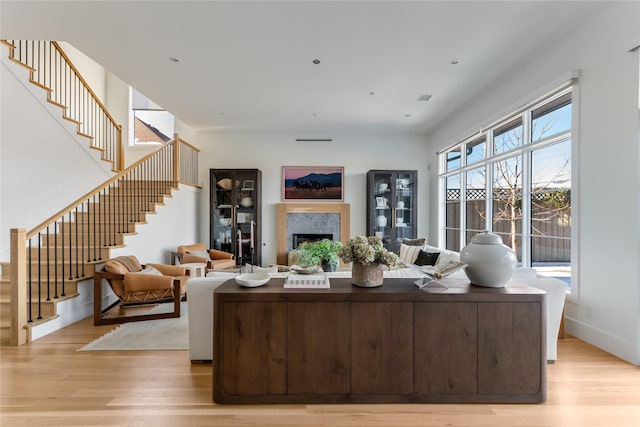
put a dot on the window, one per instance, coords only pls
(152, 125)
(516, 177)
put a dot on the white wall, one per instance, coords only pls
(606, 309)
(357, 153)
(174, 223)
(33, 186)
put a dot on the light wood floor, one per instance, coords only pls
(50, 383)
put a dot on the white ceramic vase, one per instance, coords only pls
(489, 262)
(381, 221)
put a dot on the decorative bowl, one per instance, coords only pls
(252, 280)
(225, 221)
(306, 269)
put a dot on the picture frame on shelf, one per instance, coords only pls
(313, 183)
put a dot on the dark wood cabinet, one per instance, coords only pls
(395, 343)
(235, 221)
(392, 209)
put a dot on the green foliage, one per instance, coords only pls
(316, 252)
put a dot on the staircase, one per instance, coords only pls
(70, 250)
(50, 261)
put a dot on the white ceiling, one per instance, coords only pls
(248, 65)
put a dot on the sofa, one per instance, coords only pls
(200, 301)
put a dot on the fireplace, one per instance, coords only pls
(328, 219)
(300, 238)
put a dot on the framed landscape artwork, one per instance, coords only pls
(313, 183)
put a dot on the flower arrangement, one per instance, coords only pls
(367, 250)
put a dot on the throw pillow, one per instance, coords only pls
(446, 256)
(149, 270)
(427, 258)
(199, 254)
(408, 254)
(414, 242)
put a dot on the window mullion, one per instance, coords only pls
(463, 208)
(488, 167)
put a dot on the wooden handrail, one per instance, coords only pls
(84, 82)
(51, 69)
(40, 227)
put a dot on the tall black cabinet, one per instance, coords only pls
(392, 207)
(235, 221)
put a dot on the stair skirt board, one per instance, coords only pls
(69, 311)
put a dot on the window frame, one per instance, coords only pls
(525, 150)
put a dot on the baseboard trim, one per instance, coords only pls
(615, 345)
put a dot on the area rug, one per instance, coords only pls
(160, 334)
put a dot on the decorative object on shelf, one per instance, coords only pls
(381, 221)
(369, 257)
(489, 262)
(226, 183)
(367, 275)
(252, 280)
(246, 202)
(312, 183)
(382, 187)
(323, 252)
(225, 221)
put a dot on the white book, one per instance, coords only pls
(307, 281)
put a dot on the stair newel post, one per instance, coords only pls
(176, 160)
(19, 284)
(39, 278)
(120, 165)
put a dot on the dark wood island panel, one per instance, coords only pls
(394, 343)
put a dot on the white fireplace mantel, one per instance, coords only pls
(283, 209)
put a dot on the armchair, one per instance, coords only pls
(215, 259)
(135, 285)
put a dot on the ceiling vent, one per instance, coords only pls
(424, 97)
(314, 140)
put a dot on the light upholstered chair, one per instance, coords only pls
(198, 252)
(134, 285)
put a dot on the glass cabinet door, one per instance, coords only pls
(235, 213)
(391, 206)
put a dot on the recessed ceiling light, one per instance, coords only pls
(315, 114)
(372, 93)
(454, 61)
(316, 61)
(407, 115)
(222, 113)
(424, 97)
(174, 59)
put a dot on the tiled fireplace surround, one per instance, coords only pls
(292, 218)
